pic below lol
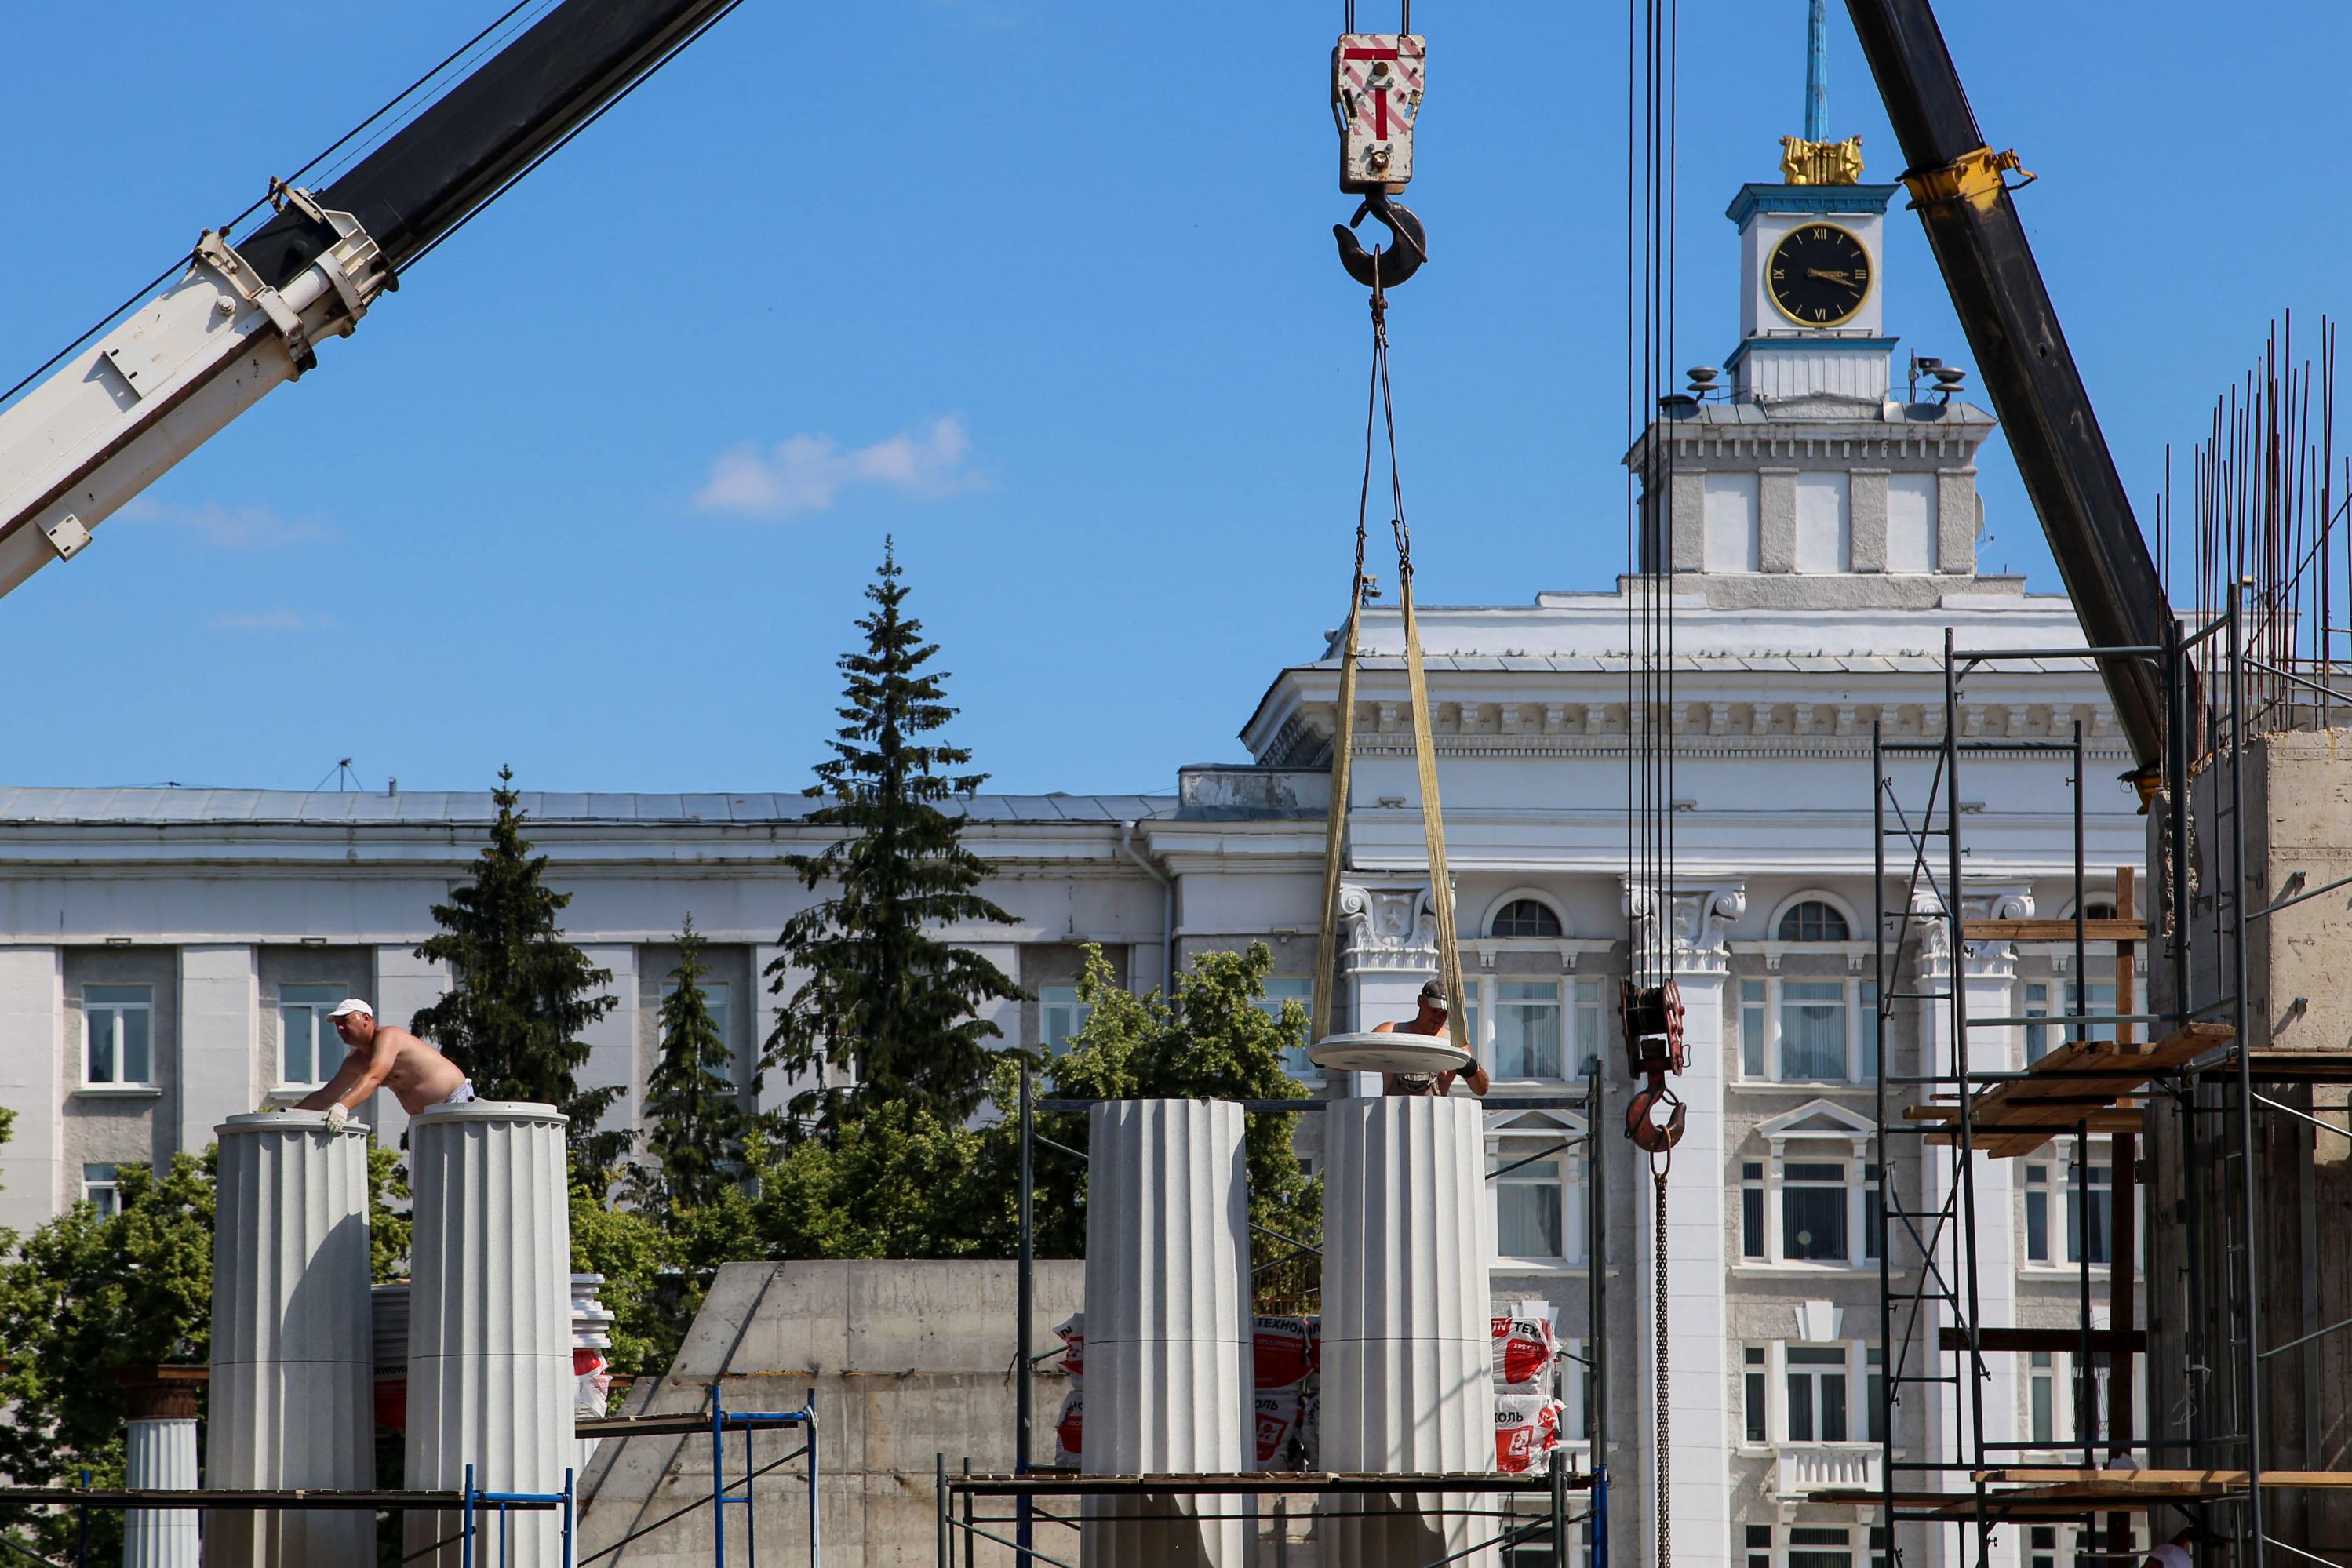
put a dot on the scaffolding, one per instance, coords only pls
(2183, 1075)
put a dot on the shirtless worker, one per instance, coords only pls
(382, 1056)
(1430, 1019)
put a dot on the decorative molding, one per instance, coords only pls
(1388, 929)
(1698, 925)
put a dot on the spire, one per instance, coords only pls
(1814, 159)
(1816, 74)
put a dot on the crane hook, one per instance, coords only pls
(1651, 1136)
(1402, 259)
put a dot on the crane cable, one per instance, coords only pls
(1380, 414)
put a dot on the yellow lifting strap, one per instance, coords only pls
(1432, 826)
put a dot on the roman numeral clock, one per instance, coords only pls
(1810, 318)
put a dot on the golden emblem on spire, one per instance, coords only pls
(1804, 162)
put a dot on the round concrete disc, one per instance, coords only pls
(1387, 1053)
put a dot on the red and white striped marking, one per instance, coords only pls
(1376, 106)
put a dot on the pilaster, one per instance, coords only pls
(404, 985)
(32, 1083)
(220, 1069)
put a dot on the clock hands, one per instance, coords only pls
(1833, 277)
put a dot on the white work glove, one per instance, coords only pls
(337, 1115)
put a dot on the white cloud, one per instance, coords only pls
(806, 473)
(229, 528)
(272, 621)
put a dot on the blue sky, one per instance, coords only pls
(1047, 290)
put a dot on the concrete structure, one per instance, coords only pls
(291, 1345)
(160, 1451)
(1407, 1358)
(1168, 1343)
(489, 1334)
(907, 1360)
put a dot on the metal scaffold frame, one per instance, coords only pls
(2194, 1082)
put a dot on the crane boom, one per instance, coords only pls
(1958, 186)
(247, 316)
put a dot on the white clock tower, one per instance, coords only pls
(1792, 347)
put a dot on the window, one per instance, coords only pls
(1824, 523)
(2042, 1544)
(2102, 1000)
(307, 1046)
(1820, 1546)
(1812, 921)
(1813, 1212)
(2042, 1379)
(1812, 1030)
(715, 1001)
(1753, 1359)
(1591, 1018)
(1526, 1029)
(1281, 988)
(1874, 1216)
(1751, 1208)
(1873, 1392)
(2090, 1230)
(1575, 1393)
(1538, 1212)
(2037, 1036)
(1060, 1015)
(1867, 1023)
(1526, 917)
(1751, 1028)
(1759, 1546)
(118, 1029)
(1731, 514)
(1911, 522)
(1817, 1409)
(99, 1187)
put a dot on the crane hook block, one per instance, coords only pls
(1406, 251)
(1376, 82)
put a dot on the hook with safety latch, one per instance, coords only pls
(1654, 1048)
(1383, 268)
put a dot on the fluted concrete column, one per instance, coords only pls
(1407, 1352)
(160, 1452)
(489, 1329)
(1168, 1324)
(291, 1337)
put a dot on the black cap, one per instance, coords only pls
(1433, 991)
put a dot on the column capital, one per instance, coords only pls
(1698, 918)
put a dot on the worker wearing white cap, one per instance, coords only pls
(382, 1056)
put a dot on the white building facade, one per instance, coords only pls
(166, 957)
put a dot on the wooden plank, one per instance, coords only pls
(2013, 1340)
(2076, 1081)
(2053, 931)
(2306, 1066)
(2327, 1481)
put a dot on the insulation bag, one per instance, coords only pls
(1068, 1428)
(1279, 1353)
(1072, 1332)
(1278, 1417)
(1526, 1427)
(1525, 1349)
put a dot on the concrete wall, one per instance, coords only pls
(909, 1360)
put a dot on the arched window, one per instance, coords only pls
(1812, 921)
(1526, 917)
(2098, 909)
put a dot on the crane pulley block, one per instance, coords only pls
(1375, 85)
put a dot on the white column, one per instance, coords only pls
(161, 1453)
(1700, 1425)
(490, 1333)
(1391, 953)
(1168, 1324)
(292, 1337)
(405, 984)
(777, 1087)
(33, 1082)
(1407, 1350)
(220, 1038)
(611, 1040)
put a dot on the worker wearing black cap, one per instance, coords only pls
(1430, 1020)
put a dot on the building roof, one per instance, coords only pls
(166, 807)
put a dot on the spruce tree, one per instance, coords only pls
(693, 1121)
(522, 995)
(883, 1000)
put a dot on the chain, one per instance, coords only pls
(1665, 1462)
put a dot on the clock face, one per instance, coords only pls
(1818, 275)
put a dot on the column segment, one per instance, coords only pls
(292, 1337)
(1167, 1326)
(489, 1335)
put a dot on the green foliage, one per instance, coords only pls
(389, 1228)
(635, 1255)
(1214, 1041)
(896, 1182)
(884, 1005)
(87, 1296)
(523, 994)
(695, 1120)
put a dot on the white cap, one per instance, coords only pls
(351, 1004)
